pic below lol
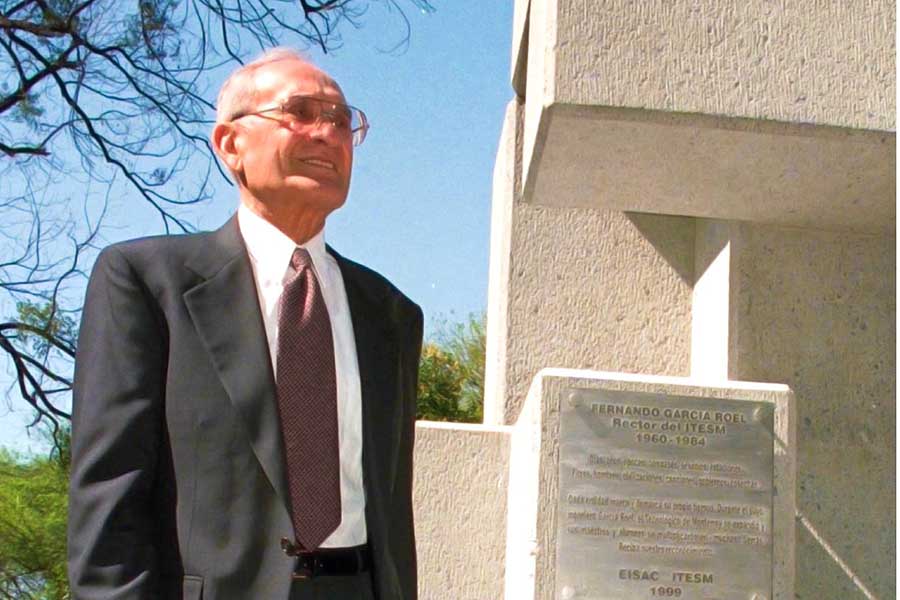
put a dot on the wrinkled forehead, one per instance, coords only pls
(281, 79)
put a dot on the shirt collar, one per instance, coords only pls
(270, 249)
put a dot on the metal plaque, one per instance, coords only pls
(664, 497)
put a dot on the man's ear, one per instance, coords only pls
(224, 142)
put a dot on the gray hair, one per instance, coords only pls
(238, 93)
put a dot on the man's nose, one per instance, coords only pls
(325, 130)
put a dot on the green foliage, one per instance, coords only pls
(466, 342)
(28, 110)
(451, 373)
(33, 511)
(440, 386)
(49, 321)
(156, 29)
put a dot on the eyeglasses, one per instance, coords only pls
(307, 110)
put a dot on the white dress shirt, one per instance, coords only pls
(270, 253)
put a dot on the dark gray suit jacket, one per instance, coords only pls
(178, 483)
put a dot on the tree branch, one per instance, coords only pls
(56, 30)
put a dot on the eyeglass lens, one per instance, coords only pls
(309, 110)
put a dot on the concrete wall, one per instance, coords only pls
(802, 61)
(816, 310)
(580, 288)
(459, 496)
(597, 290)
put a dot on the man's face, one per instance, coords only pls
(282, 164)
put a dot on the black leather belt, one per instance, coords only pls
(328, 561)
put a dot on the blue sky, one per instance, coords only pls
(419, 207)
(419, 204)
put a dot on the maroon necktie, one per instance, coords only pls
(307, 404)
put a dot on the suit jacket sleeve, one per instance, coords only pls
(116, 430)
(404, 483)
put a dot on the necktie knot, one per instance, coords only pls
(300, 259)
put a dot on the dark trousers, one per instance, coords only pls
(343, 587)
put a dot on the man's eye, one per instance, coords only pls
(340, 119)
(302, 110)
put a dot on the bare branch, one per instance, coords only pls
(43, 31)
(14, 150)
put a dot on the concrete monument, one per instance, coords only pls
(703, 191)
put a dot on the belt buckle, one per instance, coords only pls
(308, 566)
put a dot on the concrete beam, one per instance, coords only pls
(806, 176)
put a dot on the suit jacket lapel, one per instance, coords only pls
(225, 310)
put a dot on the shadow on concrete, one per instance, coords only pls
(673, 237)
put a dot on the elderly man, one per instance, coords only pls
(245, 399)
